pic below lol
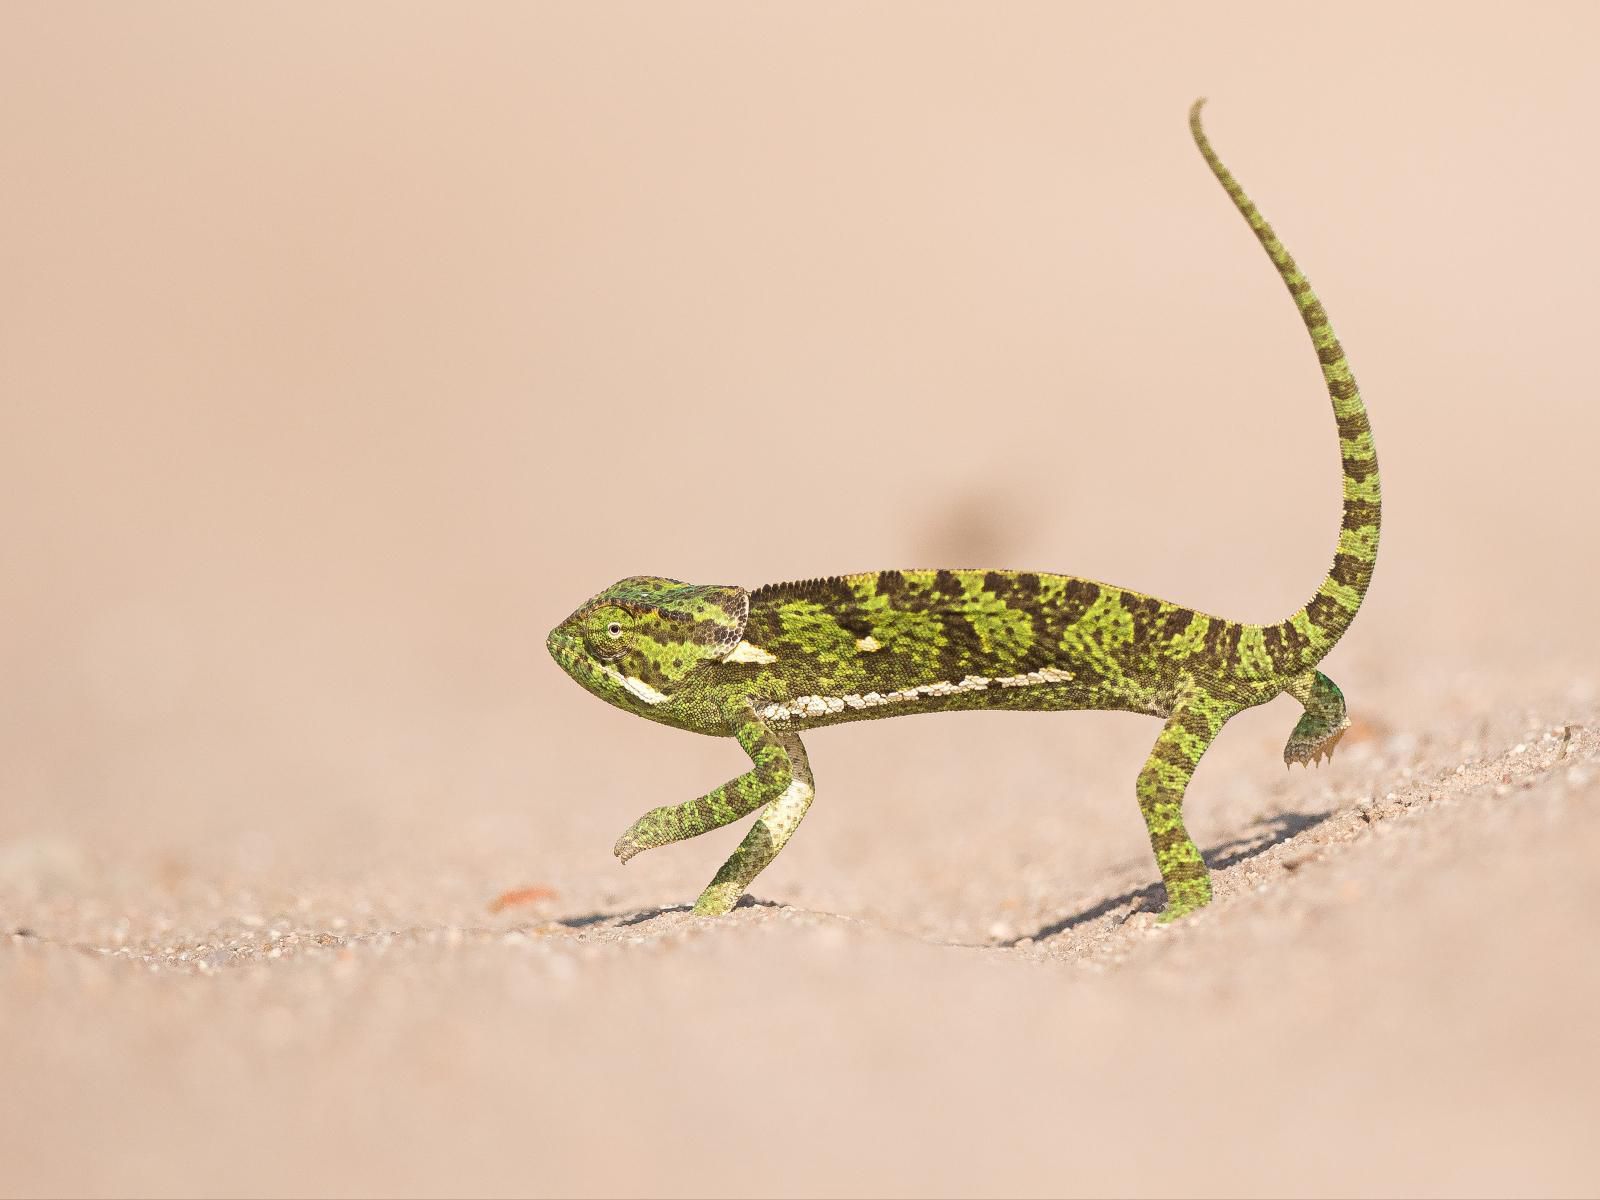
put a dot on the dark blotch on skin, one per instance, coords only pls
(1222, 643)
(1359, 469)
(1323, 610)
(1169, 840)
(1081, 594)
(1169, 752)
(1173, 621)
(1050, 623)
(1143, 611)
(961, 649)
(1353, 426)
(856, 625)
(1360, 514)
(1347, 570)
(1284, 645)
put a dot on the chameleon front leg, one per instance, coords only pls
(767, 836)
(1191, 728)
(780, 780)
(1323, 723)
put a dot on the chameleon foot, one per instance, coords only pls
(1322, 724)
(658, 827)
(1309, 746)
(662, 827)
(718, 900)
(1183, 898)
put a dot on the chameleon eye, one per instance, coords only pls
(605, 631)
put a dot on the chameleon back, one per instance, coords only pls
(892, 643)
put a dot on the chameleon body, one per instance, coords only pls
(767, 666)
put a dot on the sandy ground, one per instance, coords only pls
(1392, 994)
(343, 351)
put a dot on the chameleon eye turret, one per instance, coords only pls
(604, 628)
(766, 666)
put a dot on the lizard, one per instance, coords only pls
(768, 665)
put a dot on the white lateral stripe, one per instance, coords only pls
(638, 687)
(744, 652)
(643, 690)
(818, 706)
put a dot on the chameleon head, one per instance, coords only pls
(636, 642)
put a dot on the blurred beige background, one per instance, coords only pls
(344, 350)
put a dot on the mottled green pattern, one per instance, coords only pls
(764, 666)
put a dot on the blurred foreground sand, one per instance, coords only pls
(1389, 996)
(345, 349)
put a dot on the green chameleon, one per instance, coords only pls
(767, 665)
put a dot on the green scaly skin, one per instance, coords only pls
(767, 665)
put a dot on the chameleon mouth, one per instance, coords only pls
(557, 644)
(564, 649)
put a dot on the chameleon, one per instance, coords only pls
(768, 666)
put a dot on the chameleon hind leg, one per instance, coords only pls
(1322, 725)
(780, 780)
(1185, 737)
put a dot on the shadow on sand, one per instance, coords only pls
(636, 916)
(1262, 837)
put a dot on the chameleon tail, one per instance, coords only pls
(1311, 632)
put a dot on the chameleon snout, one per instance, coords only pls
(559, 644)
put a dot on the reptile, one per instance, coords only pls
(768, 665)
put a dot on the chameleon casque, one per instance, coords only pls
(767, 666)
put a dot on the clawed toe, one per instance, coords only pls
(1307, 753)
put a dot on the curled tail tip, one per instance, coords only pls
(1194, 111)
